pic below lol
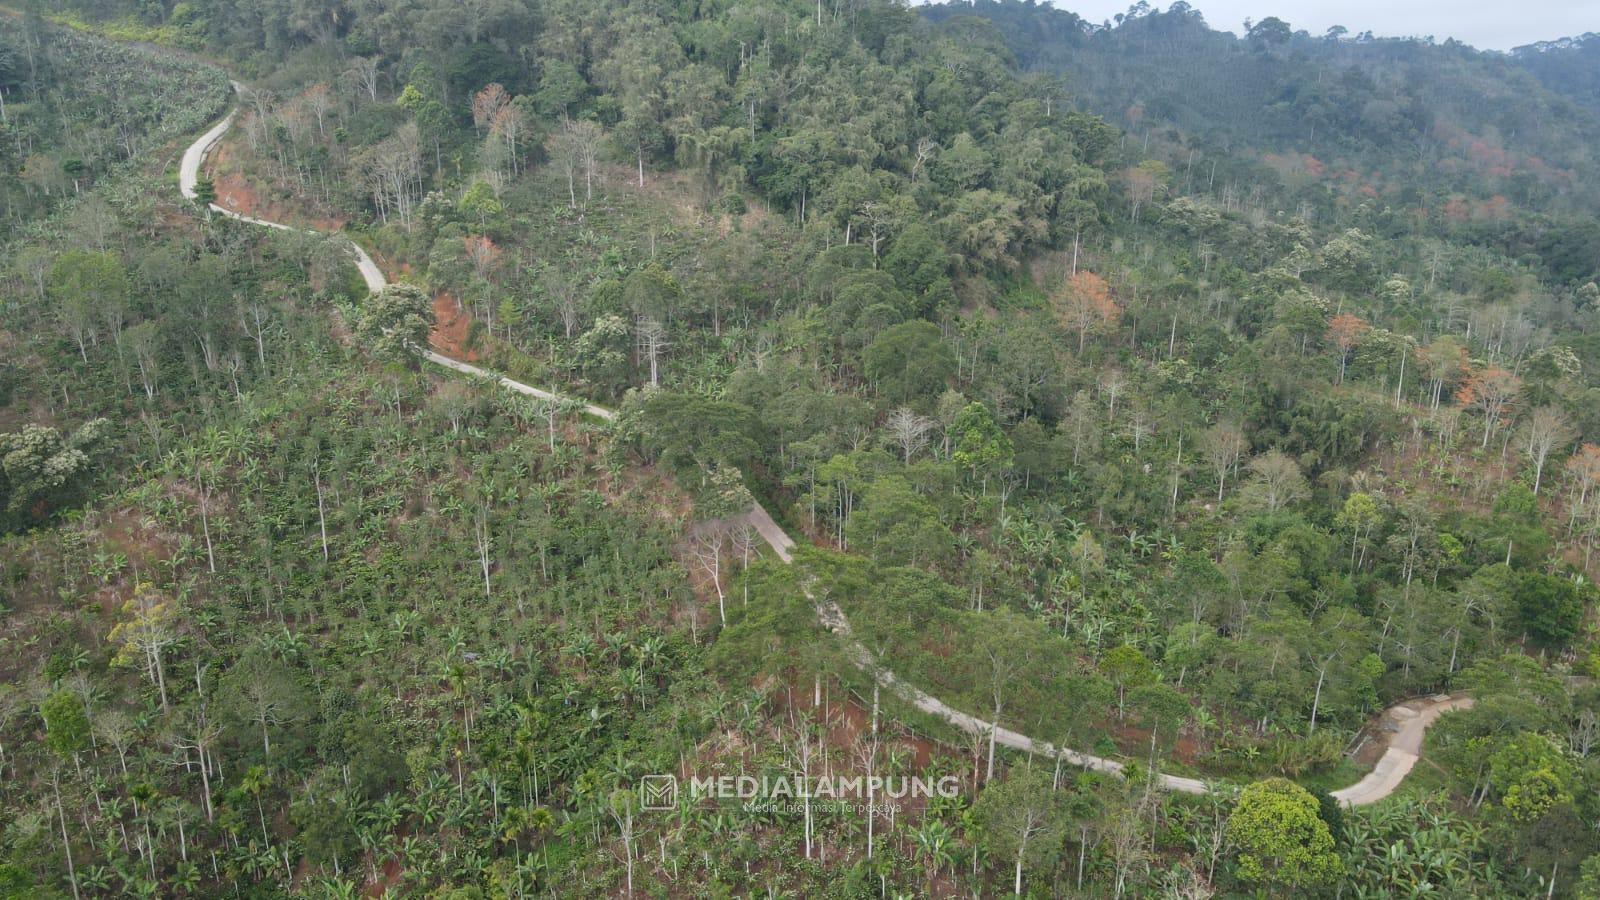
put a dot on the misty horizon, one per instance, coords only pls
(1482, 25)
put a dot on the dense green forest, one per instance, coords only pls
(75, 108)
(1219, 408)
(1486, 149)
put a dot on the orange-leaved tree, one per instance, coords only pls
(1584, 470)
(1490, 390)
(1345, 330)
(1084, 303)
(487, 103)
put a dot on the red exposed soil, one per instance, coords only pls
(388, 876)
(388, 872)
(450, 323)
(847, 721)
(236, 193)
(145, 548)
(1134, 742)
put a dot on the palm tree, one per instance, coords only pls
(338, 889)
(426, 806)
(629, 686)
(401, 624)
(528, 868)
(934, 842)
(652, 653)
(1139, 544)
(497, 660)
(186, 878)
(96, 879)
(387, 813)
(369, 644)
(583, 646)
(255, 782)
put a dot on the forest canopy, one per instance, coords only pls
(1162, 435)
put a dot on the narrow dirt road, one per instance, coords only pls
(1413, 717)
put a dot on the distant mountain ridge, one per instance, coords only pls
(1569, 66)
(1566, 43)
(1498, 142)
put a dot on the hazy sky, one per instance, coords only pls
(1489, 24)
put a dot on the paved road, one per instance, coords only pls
(834, 619)
(1413, 717)
(599, 412)
(775, 537)
(189, 176)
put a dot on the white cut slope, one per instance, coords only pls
(1414, 716)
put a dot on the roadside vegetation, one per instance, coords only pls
(1198, 475)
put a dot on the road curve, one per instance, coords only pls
(1413, 717)
(189, 177)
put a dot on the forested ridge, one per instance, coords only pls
(1475, 147)
(84, 107)
(1187, 436)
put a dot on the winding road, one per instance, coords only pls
(1406, 721)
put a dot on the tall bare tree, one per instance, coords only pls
(363, 74)
(707, 549)
(653, 341)
(910, 431)
(1278, 481)
(566, 157)
(1223, 445)
(587, 138)
(1547, 429)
